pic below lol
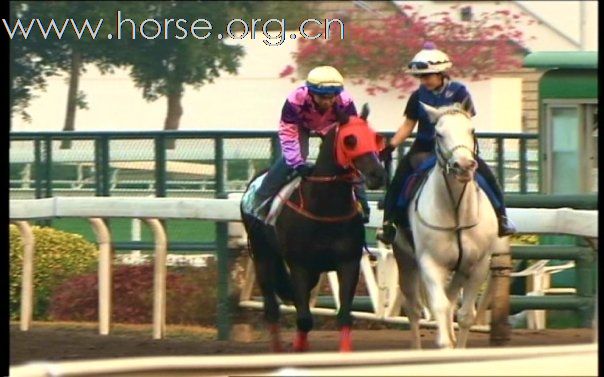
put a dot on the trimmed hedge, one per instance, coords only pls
(57, 256)
(191, 296)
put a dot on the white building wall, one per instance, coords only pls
(546, 39)
(251, 100)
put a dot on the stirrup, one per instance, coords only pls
(261, 209)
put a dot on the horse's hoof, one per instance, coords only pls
(301, 342)
(276, 348)
(346, 347)
(301, 347)
(345, 341)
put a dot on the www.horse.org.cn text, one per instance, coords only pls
(273, 31)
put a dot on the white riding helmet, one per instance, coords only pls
(325, 80)
(429, 60)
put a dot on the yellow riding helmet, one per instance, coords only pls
(325, 80)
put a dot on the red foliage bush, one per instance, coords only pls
(191, 296)
(379, 51)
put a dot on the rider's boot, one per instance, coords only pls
(506, 226)
(388, 233)
(365, 210)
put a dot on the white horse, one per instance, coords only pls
(454, 230)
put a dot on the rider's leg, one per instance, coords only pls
(506, 227)
(392, 194)
(276, 177)
(361, 194)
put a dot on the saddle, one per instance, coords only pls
(422, 163)
(276, 203)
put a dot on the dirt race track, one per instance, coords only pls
(44, 343)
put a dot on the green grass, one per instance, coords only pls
(177, 230)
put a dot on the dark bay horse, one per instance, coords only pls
(319, 229)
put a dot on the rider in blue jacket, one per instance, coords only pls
(436, 89)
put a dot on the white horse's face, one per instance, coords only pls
(455, 141)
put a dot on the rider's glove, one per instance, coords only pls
(386, 153)
(304, 170)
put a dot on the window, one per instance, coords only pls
(466, 13)
(591, 117)
(571, 161)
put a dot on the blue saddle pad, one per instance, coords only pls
(414, 179)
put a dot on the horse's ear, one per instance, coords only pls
(341, 116)
(433, 112)
(365, 111)
(350, 141)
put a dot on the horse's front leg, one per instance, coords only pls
(410, 285)
(348, 277)
(435, 279)
(467, 313)
(304, 281)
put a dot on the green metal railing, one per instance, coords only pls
(44, 156)
(49, 164)
(513, 157)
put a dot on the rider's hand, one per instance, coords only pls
(386, 153)
(304, 170)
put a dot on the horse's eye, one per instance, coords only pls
(439, 135)
(350, 141)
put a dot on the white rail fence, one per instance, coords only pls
(566, 360)
(381, 277)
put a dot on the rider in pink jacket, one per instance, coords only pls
(309, 109)
(300, 116)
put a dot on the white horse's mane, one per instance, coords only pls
(455, 108)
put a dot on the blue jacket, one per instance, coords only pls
(452, 92)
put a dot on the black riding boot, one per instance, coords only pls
(388, 231)
(394, 189)
(506, 227)
(276, 177)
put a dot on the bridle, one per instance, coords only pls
(444, 156)
(351, 175)
(444, 161)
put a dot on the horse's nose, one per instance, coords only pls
(466, 164)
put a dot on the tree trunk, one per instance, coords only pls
(72, 96)
(174, 113)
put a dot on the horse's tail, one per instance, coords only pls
(271, 271)
(262, 248)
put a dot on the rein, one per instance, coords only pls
(447, 170)
(351, 177)
(348, 177)
(442, 160)
(326, 179)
